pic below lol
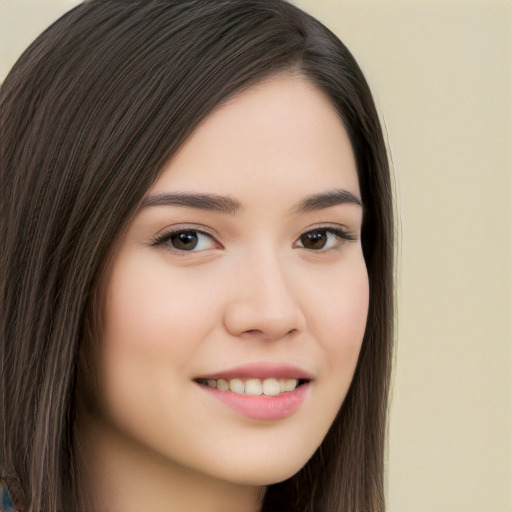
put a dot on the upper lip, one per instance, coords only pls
(263, 370)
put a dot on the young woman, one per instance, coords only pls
(197, 256)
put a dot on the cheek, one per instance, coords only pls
(154, 326)
(152, 330)
(154, 312)
(337, 321)
(340, 315)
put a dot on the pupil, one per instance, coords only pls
(185, 240)
(314, 240)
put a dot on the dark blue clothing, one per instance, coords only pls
(6, 504)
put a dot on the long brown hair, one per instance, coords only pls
(91, 113)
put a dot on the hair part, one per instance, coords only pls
(91, 113)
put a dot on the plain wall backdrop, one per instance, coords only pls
(441, 72)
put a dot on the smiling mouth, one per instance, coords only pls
(254, 387)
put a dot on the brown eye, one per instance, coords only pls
(324, 239)
(184, 240)
(314, 239)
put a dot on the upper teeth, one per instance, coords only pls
(255, 387)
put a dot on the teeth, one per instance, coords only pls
(271, 387)
(254, 387)
(290, 384)
(236, 385)
(223, 385)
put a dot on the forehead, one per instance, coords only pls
(281, 134)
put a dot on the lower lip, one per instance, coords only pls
(262, 407)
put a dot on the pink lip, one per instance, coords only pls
(262, 407)
(262, 371)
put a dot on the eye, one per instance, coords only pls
(323, 239)
(187, 240)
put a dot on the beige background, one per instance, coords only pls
(441, 73)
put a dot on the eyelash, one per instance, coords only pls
(338, 233)
(165, 239)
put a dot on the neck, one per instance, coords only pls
(119, 475)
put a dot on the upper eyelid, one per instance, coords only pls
(328, 226)
(165, 234)
(207, 231)
(169, 230)
(344, 234)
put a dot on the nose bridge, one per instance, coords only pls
(270, 283)
(264, 301)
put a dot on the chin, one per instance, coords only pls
(263, 471)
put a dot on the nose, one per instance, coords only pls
(264, 303)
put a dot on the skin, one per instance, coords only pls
(251, 291)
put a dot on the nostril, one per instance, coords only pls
(269, 333)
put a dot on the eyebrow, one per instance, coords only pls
(227, 204)
(326, 200)
(210, 202)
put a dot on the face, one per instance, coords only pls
(237, 301)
